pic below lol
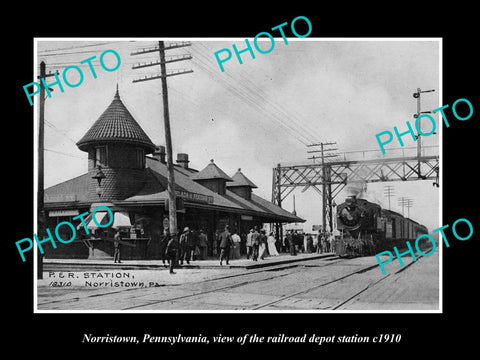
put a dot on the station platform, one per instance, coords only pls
(108, 264)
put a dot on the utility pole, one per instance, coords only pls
(408, 204)
(41, 216)
(172, 206)
(405, 202)
(326, 186)
(388, 192)
(278, 200)
(172, 200)
(279, 193)
(402, 201)
(40, 193)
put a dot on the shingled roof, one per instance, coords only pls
(239, 179)
(211, 171)
(116, 124)
(155, 192)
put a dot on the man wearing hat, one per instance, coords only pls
(226, 243)
(255, 243)
(249, 244)
(186, 246)
(171, 251)
(117, 245)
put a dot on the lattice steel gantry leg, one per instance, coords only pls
(327, 206)
(277, 196)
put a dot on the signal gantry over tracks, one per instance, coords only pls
(333, 176)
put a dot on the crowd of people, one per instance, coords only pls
(190, 245)
(193, 245)
(296, 242)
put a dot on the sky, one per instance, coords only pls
(257, 114)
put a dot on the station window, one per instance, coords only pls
(101, 156)
(139, 158)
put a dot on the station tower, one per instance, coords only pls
(116, 145)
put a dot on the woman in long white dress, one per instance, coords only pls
(271, 245)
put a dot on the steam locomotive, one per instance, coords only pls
(367, 229)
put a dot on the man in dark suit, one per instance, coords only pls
(203, 245)
(186, 246)
(255, 243)
(171, 251)
(164, 238)
(117, 245)
(291, 240)
(262, 239)
(225, 243)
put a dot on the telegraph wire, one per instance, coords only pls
(243, 92)
(80, 46)
(274, 105)
(258, 91)
(52, 126)
(202, 108)
(70, 53)
(253, 103)
(249, 98)
(256, 94)
(246, 97)
(65, 154)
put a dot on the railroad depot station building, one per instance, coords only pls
(134, 187)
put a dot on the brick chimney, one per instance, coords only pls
(160, 154)
(182, 160)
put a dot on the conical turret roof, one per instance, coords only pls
(116, 124)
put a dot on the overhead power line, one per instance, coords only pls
(66, 154)
(52, 126)
(252, 86)
(78, 46)
(69, 53)
(244, 94)
(272, 108)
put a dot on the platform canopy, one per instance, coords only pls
(120, 219)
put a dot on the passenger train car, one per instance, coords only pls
(367, 229)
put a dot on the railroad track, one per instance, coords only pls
(350, 298)
(248, 278)
(226, 287)
(250, 282)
